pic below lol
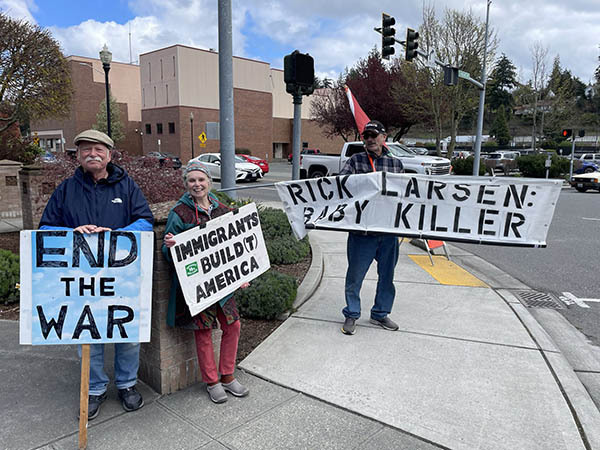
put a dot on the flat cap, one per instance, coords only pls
(94, 136)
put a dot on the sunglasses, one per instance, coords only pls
(370, 135)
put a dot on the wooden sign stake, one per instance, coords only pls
(83, 395)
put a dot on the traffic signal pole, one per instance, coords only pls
(297, 138)
(450, 73)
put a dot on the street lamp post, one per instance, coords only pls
(192, 131)
(106, 58)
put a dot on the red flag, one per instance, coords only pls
(360, 117)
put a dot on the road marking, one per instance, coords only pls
(571, 299)
(446, 272)
(589, 218)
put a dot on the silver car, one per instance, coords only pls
(244, 171)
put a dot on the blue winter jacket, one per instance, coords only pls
(115, 202)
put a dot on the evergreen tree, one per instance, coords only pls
(116, 126)
(499, 128)
(502, 80)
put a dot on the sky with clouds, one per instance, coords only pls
(336, 33)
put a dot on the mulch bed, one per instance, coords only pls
(253, 331)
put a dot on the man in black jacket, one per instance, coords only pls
(100, 196)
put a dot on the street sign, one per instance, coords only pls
(463, 74)
(202, 137)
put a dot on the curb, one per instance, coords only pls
(568, 361)
(313, 277)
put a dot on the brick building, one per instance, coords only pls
(180, 100)
(89, 91)
(173, 96)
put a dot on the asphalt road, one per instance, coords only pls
(259, 190)
(569, 262)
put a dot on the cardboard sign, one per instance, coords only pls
(214, 260)
(85, 289)
(504, 211)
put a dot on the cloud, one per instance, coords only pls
(19, 9)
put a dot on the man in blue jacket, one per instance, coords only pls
(100, 196)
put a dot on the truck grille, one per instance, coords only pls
(440, 169)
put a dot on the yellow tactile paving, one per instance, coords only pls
(446, 272)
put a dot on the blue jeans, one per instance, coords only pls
(127, 361)
(361, 251)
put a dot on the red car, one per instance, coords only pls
(264, 165)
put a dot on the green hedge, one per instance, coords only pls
(464, 166)
(267, 297)
(9, 277)
(533, 166)
(282, 246)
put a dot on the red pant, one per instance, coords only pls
(229, 344)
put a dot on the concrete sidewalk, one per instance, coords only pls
(469, 368)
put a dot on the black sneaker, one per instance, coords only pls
(94, 402)
(386, 323)
(130, 399)
(349, 326)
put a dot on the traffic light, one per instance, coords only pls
(411, 44)
(566, 133)
(387, 36)
(450, 76)
(299, 72)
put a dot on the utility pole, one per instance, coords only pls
(226, 125)
(481, 98)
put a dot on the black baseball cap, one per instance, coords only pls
(374, 126)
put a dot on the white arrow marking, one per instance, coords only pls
(569, 299)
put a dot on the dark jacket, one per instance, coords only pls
(181, 218)
(115, 202)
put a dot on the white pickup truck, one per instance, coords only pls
(322, 165)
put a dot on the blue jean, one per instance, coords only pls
(127, 361)
(361, 250)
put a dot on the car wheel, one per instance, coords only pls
(317, 174)
(581, 189)
(589, 170)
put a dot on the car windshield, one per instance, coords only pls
(399, 149)
(239, 159)
(495, 156)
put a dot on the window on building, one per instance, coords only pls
(159, 128)
(143, 97)
(149, 72)
(148, 128)
(167, 90)
(171, 127)
(154, 95)
(305, 145)
(161, 69)
(212, 130)
(173, 65)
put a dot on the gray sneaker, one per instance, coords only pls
(236, 388)
(386, 323)
(349, 326)
(217, 393)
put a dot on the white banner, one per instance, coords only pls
(85, 289)
(505, 211)
(214, 260)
